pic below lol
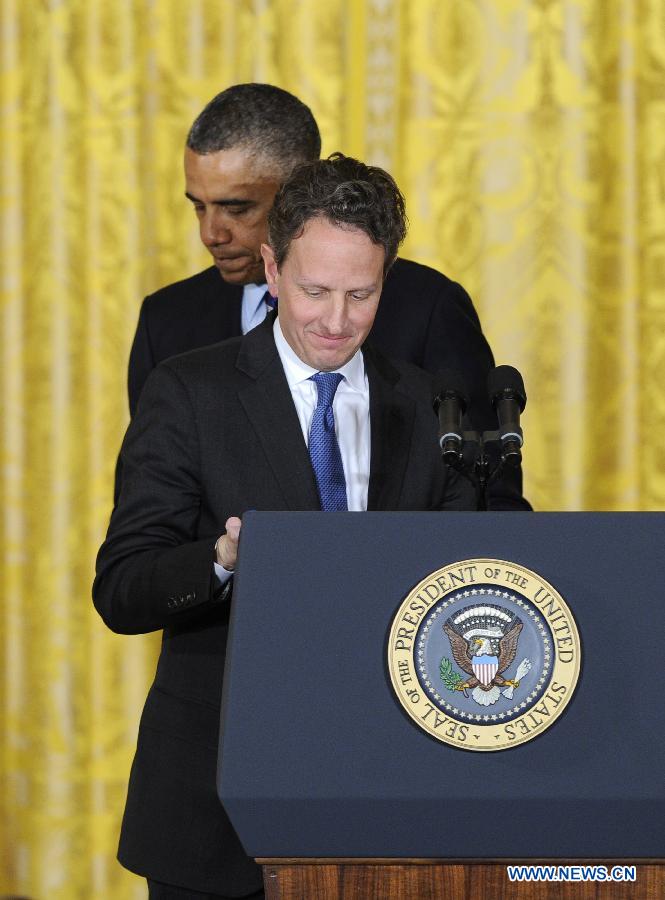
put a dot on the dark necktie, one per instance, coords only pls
(323, 446)
(270, 301)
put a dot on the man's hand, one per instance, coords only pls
(226, 548)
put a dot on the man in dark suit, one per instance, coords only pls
(294, 415)
(241, 147)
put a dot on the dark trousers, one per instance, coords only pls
(159, 891)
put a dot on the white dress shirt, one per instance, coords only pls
(350, 408)
(351, 411)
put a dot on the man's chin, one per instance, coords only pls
(331, 360)
(241, 276)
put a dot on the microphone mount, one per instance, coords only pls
(450, 404)
(474, 454)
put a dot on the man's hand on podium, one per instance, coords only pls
(226, 548)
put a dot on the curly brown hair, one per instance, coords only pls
(347, 193)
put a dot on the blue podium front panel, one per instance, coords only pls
(318, 758)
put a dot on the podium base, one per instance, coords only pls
(431, 879)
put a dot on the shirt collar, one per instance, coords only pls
(253, 293)
(297, 371)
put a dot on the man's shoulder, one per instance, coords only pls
(204, 286)
(406, 272)
(424, 287)
(230, 362)
(218, 359)
(404, 376)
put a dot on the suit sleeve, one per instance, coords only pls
(141, 359)
(141, 364)
(153, 569)
(464, 303)
(460, 494)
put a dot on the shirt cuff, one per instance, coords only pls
(222, 574)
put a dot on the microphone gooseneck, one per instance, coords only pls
(450, 403)
(508, 398)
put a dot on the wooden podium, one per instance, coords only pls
(338, 794)
(428, 879)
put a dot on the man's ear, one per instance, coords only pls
(272, 275)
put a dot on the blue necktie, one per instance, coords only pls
(323, 446)
(269, 300)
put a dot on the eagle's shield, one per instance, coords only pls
(485, 668)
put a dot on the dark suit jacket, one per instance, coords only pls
(216, 433)
(423, 318)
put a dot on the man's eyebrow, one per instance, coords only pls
(227, 201)
(306, 283)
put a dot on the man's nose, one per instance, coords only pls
(214, 228)
(336, 313)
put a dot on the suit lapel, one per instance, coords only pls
(392, 417)
(269, 406)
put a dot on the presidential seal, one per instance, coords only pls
(484, 654)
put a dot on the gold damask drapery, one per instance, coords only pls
(529, 138)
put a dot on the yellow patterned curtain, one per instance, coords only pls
(529, 138)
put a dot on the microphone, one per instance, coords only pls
(450, 403)
(508, 398)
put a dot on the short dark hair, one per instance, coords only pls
(347, 193)
(267, 121)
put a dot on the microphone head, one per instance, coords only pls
(505, 382)
(449, 385)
